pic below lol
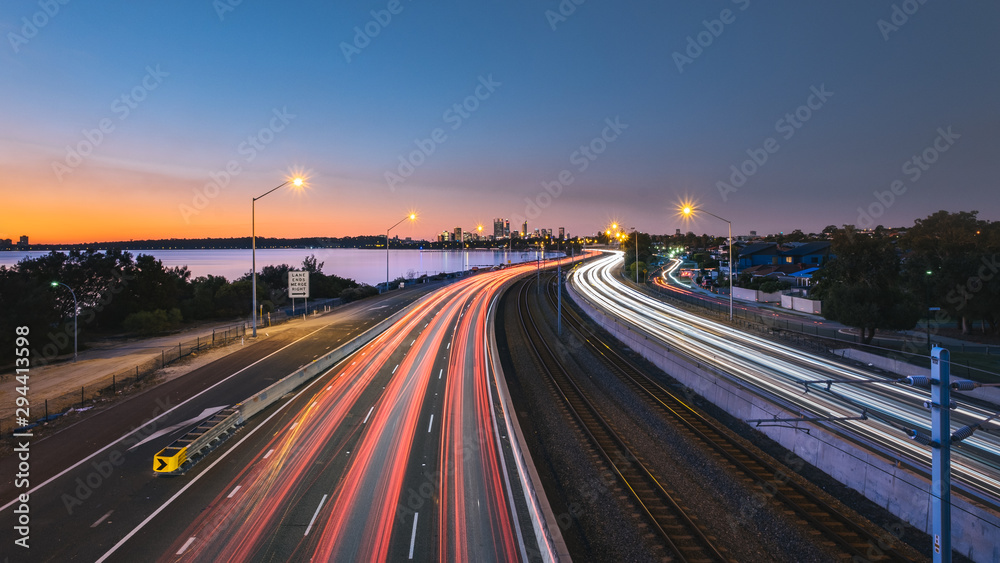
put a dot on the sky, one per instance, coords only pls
(127, 120)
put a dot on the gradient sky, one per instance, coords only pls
(226, 76)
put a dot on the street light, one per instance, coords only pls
(687, 211)
(636, 233)
(76, 310)
(411, 217)
(927, 282)
(297, 182)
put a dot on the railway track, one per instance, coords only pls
(810, 509)
(678, 530)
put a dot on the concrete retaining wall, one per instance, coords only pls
(802, 304)
(755, 295)
(883, 480)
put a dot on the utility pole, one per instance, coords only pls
(941, 453)
(559, 288)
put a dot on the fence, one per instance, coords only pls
(820, 338)
(125, 381)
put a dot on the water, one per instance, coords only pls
(366, 266)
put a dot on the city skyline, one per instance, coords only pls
(878, 115)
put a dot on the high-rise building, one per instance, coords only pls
(506, 227)
(498, 228)
(524, 229)
(458, 234)
(23, 242)
(562, 232)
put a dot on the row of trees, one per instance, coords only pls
(881, 281)
(118, 292)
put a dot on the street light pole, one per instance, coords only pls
(688, 210)
(76, 310)
(928, 284)
(636, 233)
(253, 243)
(411, 217)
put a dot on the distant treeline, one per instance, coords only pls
(240, 243)
(221, 243)
(117, 292)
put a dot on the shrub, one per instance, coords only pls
(152, 322)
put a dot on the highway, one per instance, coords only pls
(92, 479)
(777, 370)
(397, 453)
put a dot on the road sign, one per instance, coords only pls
(298, 284)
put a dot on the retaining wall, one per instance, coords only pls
(890, 483)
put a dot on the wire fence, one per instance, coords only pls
(122, 382)
(819, 337)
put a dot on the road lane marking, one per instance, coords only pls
(440, 373)
(204, 414)
(268, 454)
(314, 404)
(161, 415)
(330, 387)
(186, 545)
(315, 514)
(208, 469)
(294, 424)
(413, 535)
(431, 423)
(101, 519)
(395, 368)
(414, 342)
(449, 346)
(232, 494)
(365, 421)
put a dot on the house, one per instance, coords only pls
(756, 254)
(803, 278)
(812, 253)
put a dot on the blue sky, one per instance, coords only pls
(223, 78)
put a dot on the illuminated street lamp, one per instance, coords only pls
(411, 217)
(76, 310)
(297, 182)
(687, 211)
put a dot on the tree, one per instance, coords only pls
(953, 247)
(861, 286)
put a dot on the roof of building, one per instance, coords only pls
(807, 273)
(776, 269)
(818, 247)
(759, 248)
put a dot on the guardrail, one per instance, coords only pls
(185, 452)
